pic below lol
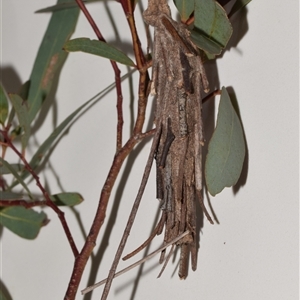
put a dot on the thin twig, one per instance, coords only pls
(81, 260)
(49, 203)
(131, 216)
(92, 287)
(117, 75)
(24, 203)
(149, 239)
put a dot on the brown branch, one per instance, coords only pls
(24, 203)
(119, 158)
(131, 218)
(117, 75)
(211, 95)
(48, 201)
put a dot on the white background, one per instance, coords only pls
(253, 253)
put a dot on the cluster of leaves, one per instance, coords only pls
(210, 30)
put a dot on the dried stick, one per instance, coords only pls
(61, 214)
(81, 260)
(146, 243)
(139, 262)
(131, 216)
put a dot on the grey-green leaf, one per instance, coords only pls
(21, 109)
(238, 5)
(226, 149)
(17, 167)
(204, 43)
(50, 57)
(68, 199)
(16, 175)
(3, 105)
(212, 22)
(3, 296)
(98, 48)
(24, 222)
(5, 195)
(42, 150)
(185, 8)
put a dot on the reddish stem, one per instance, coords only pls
(117, 75)
(121, 154)
(48, 201)
(24, 203)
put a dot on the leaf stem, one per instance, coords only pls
(61, 214)
(117, 76)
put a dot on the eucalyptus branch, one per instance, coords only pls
(117, 76)
(48, 202)
(24, 203)
(121, 154)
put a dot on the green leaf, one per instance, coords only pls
(205, 43)
(226, 149)
(16, 175)
(68, 199)
(17, 167)
(24, 90)
(24, 222)
(185, 8)
(50, 57)
(239, 4)
(2, 295)
(212, 22)
(21, 109)
(41, 152)
(98, 48)
(10, 195)
(3, 105)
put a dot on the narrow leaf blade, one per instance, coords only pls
(17, 167)
(10, 195)
(185, 8)
(212, 22)
(238, 5)
(21, 110)
(16, 175)
(3, 105)
(98, 48)
(226, 149)
(50, 57)
(67, 199)
(24, 222)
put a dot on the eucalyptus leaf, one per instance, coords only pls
(2, 295)
(20, 107)
(238, 5)
(98, 48)
(50, 57)
(226, 149)
(42, 150)
(17, 167)
(24, 90)
(68, 199)
(212, 22)
(204, 43)
(16, 175)
(6, 195)
(185, 8)
(24, 222)
(3, 105)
